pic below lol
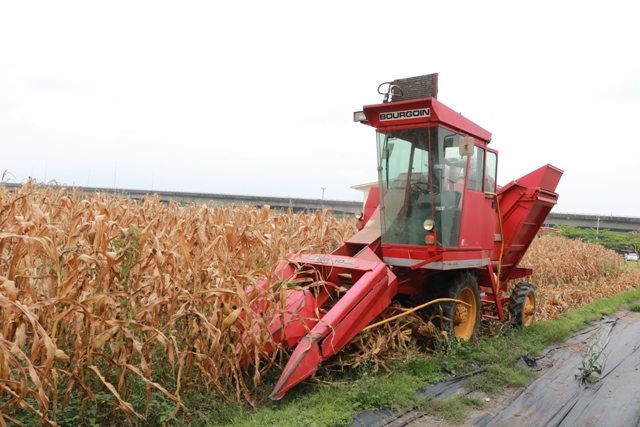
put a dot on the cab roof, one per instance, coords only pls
(418, 113)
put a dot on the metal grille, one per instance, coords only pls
(417, 87)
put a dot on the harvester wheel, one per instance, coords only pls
(462, 319)
(522, 305)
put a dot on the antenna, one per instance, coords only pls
(392, 90)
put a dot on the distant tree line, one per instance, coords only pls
(620, 242)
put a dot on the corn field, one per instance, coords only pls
(104, 299)
(103, 293)
(568, 274)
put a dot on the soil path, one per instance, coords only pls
(555, 397)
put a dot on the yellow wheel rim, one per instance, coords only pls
(464, 318)
(529, 309)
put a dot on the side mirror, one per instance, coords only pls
(448, 141)
(466, 146)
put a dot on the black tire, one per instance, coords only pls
(522, 304)
(460, 319)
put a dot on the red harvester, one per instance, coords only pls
(435, 226)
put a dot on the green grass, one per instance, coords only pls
(632, 265)
(452, 409)
(634, 307)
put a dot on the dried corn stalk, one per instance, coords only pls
(568, 274)
(100, 293)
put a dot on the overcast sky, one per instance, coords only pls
(256, 97)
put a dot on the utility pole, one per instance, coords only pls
(115, 172)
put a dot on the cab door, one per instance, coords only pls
(479, 216)
(472, 233)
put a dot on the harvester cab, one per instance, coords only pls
(436, 231)
(437, 183)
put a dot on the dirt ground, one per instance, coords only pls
(556, 397)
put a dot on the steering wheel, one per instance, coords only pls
(422, 187)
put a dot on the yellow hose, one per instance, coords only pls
(382, 322)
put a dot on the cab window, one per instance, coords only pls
(476, 170)
(492, 166)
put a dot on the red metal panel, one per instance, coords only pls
(490, 221)
(369, 296)
(524, 205)
(546, 177)
(303, 362)
(298, 316)
(371, 230)
(473, 220)
(362, 312)
(416, 255)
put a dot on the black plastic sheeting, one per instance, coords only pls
(556, 397)
(385, 418)
(415, 418)
(450, 387)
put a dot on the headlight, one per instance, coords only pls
(428, 225)
(359, 215)
(359, 116)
